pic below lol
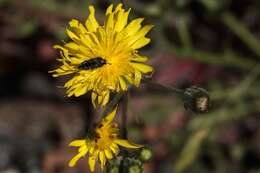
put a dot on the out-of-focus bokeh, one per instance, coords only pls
(214, 44)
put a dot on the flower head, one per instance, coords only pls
(197, 99)
(104, 58)
(103, 145)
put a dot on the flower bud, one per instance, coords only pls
(134, 165)
(196, 99)
(113, 166)
(135, 169)
(145, 154)
(113, 169)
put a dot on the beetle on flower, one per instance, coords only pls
(104, 58)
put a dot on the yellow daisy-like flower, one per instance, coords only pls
(104, 58)
(103, 145)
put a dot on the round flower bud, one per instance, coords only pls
(135, 169)
(145, 154)
(196, 99)
(113, 166)
(113, 169)
(132, 165)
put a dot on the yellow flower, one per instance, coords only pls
(103, 145)
(104, 58)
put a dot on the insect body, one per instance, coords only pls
(92, 64)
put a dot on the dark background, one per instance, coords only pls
(210, 43)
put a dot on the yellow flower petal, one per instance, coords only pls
(92, 163)
(140, 58)
(109, 23)
(140, 43)
(119, 7)
(108, 154)
(74, 23)
(77, 27)
(134, 26)
(102, 159)
(93, 98)
(80, 91)
(138, 77)
(121, 20)
(74, 160)
(100, 99)
(126, 143)
(142, 67)
(91, 22)
(109, 118)
(83, 148)
(129, 79)
(114, 148)
(105, 99)
(122, 83)
(72, 46)
(72, 35)
(109, 9)
(77, 143)
(140, 34)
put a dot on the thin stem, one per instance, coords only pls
(123, 130)
(124, 116)
(124, 4)
(242, 32)
(111, 105)
(177, 91)
(88, 116)
(183, 31)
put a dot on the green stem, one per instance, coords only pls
(177, 91)
(124, 116)
(242, 32)
(183, 33)
(112, 104)
(123, 130)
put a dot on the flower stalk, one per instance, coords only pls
(112, 104)
(124, 104)
(195, 99)
(124, 116)
(178, 92)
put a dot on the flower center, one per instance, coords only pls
(105, 135)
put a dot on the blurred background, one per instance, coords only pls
(214, 44)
